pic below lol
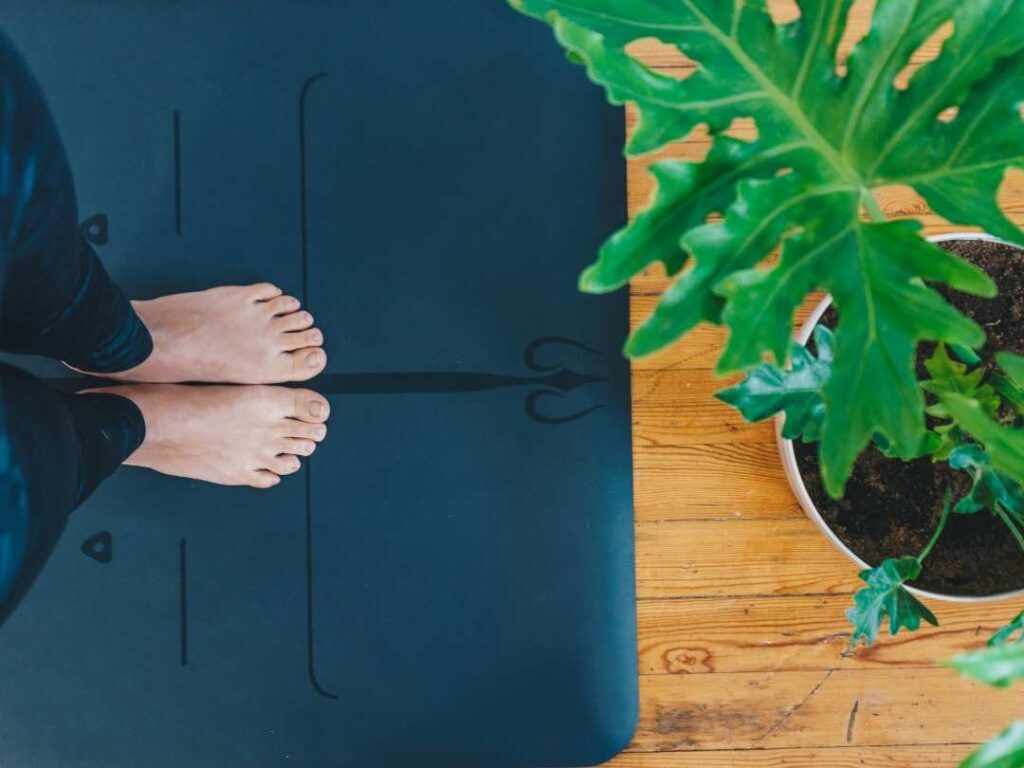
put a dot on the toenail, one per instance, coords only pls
(316, 408)
(314, 359)
(317, 337)
(321, 431)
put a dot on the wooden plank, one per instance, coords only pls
(676, 407)
(752, 634)
(680, 559)
(658, 499)
(716, 481)
(829, 757)
(835, 708)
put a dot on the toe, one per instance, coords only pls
(296, 321)
(305, 363)
(285, 464)
(295, 446)
(263, 291)
(263, 478)
(308, 406)
(302, 339)
(303, 431)
(283, 305)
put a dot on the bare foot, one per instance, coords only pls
(250, 435)
(232, 334)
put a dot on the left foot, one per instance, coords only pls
(229, 335)
(225, 435)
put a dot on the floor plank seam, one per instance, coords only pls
(808, 748)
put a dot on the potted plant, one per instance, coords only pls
(899, 369)
(925, 504)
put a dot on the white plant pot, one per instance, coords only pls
(789, 464)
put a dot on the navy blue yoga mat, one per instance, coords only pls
(450, 582)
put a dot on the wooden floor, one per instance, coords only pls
(744, 656)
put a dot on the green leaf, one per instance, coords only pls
(1004, 445)
(1004, 751)
(930, 444)
(959, 169)
(1011, 394)
(951, 377)
(687, 193)
(989, 487)
(884, 596)
(965, 354)
(874, 385)
(796, 391)
(1005, 635)
(824, 144)
(1011, 386)
(1014, 367)
(999, 666)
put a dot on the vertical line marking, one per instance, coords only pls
(303, 213)
(304, 254)
(177, 172)
(183, 598)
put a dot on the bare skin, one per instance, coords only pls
(233, 334)
(229, 435)
(249, 435)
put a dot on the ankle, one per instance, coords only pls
(111, 429)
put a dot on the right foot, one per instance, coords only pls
(249, 334)
(249, 435)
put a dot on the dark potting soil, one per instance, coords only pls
(891, 507)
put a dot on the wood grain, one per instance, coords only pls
(680, 559)
(703, 636)
(842, 757)
(755, 710)
(744, 650)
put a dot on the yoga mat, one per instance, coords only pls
(450, 580)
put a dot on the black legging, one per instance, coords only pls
(56, 300)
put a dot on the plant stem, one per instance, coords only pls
(1008, 521)
(871, 205)
(947, 507)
